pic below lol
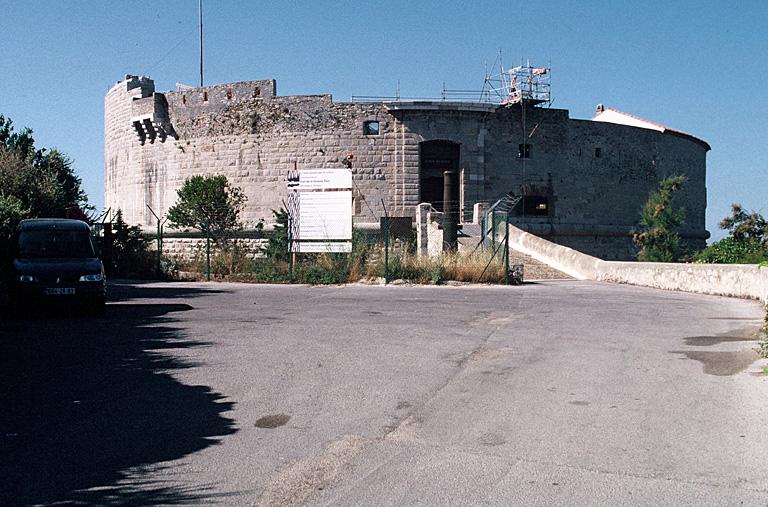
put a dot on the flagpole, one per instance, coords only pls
(200, 16)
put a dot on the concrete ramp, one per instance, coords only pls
(533, 269)
(736, 280)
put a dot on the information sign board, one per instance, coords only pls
(320, 209)
(325, 179)
(325, 215)
(323, 247)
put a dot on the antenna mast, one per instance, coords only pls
(200, 15)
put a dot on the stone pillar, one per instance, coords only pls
(450, 211)
(422, 211)
(477, 212)
(435, 231)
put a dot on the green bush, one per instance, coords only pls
(131, 257)
(264, 271)
(657, 235)
(277, 248)
(734, 251)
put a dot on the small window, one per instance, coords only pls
(256, 92)
(371, 128)
(523, 151)
(229, 92)
(598, 152)
(205, 96)
(183, 99)
(535, 205)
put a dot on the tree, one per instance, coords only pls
(657, 236)
(20, 142)
(744, 226)
(210, 205)
(130, 253)
(44, 181)
(747, 242)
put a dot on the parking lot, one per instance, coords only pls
(559, 392)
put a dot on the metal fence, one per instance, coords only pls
(494, 228)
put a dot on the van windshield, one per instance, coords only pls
(42, 244)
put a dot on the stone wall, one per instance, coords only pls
(738, 280)
(248, 133)
(189, 248)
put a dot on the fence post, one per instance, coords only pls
(385, 231)
(386, 250)
(506, 252)
(291, 254)
(450, 211)
(159, 241)
(208, 251)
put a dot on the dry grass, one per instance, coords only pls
(366, 261)
(475, 267)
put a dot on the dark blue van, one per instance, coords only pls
(55, 260)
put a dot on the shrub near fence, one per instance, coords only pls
(252, 260)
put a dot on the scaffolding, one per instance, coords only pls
(513, 86)
(500, 86)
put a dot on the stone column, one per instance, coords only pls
(422, 210)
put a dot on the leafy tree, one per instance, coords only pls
(657, 236)
(44, 181)
(747, 242)
(59, 166)
(208, 204)
(744, 226)
(20, 142)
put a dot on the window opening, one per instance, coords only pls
(598, 152)
(536, 205)
(371, 128)
(205, 96)
(523, 151)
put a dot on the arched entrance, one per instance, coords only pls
(436, 157)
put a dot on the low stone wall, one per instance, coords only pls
(737, 280)
(572, 262)
(187, 248)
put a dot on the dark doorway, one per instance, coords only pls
(436, 157)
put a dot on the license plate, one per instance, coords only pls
(60, 291)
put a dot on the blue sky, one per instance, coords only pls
(700, 67)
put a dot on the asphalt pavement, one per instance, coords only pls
(559, 392)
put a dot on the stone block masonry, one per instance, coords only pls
(592, 177)
(188, 249)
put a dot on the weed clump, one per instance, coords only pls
(762, 345)
(365, 262)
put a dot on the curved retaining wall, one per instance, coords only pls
(737, 280)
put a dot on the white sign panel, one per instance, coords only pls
(325, 215)
(323, 179)
(323, 247)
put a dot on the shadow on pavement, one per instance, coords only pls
(83, 400)
(124, 291)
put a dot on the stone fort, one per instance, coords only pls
(584, 182)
